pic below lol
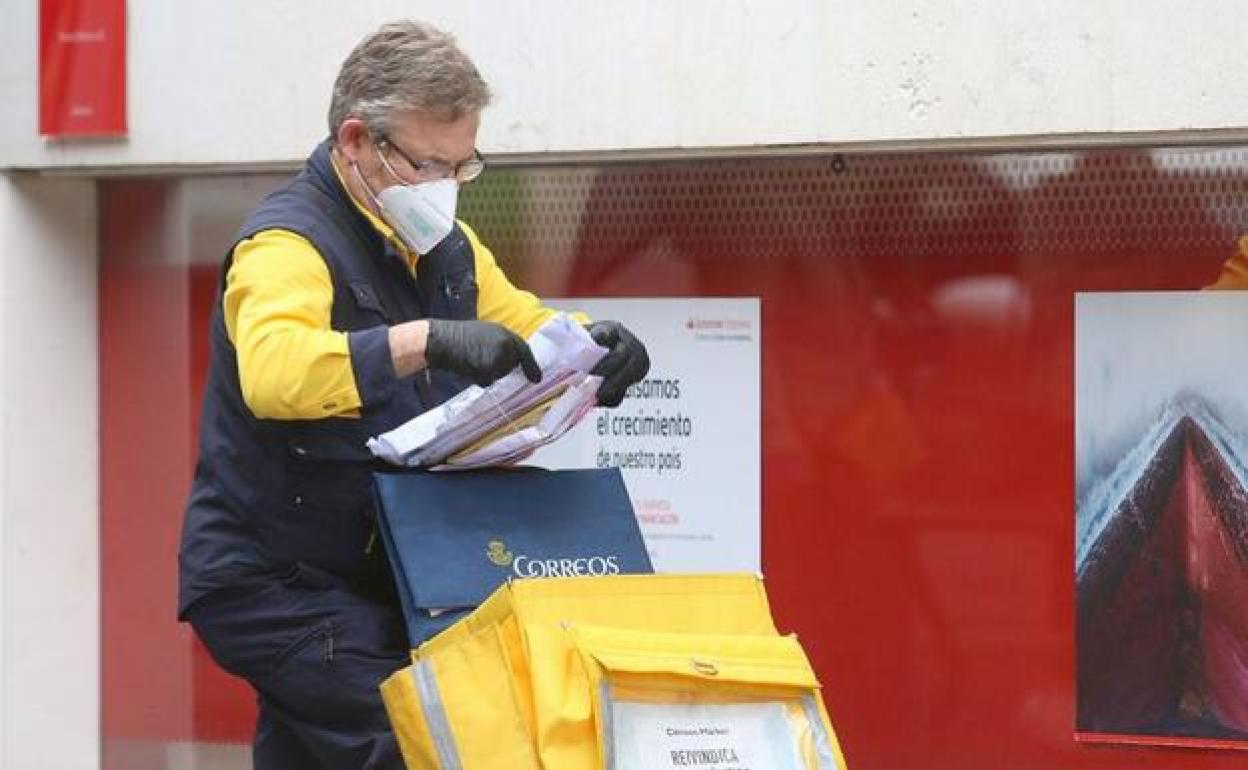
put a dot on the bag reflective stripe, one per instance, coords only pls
(829, 750)
(406, 712)
(435, 715)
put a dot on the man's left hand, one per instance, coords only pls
(625, 363)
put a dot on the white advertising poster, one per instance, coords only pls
(687, 438)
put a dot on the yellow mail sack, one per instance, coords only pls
(625, 672)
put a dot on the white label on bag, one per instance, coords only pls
(736, 736)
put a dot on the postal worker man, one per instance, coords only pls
(352, 301)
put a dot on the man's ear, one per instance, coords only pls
(352, 135)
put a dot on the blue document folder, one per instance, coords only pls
(453, 538)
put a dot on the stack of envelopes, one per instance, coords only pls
(507, 421)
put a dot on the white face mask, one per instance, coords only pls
(421, 214)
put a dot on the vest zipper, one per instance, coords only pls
(424, 386)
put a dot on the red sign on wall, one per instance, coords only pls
(82, 68)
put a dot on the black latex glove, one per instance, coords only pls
(625, 363)
(479, 350)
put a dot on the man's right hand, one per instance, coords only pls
(479, 350)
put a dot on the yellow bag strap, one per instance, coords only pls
(435, 715)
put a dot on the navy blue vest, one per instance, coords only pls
(269, 494)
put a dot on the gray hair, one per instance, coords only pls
(406, 65)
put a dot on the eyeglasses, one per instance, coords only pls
(429, 170)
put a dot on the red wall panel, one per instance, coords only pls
(143, 472)
(159, 685)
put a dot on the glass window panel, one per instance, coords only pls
(917, 409)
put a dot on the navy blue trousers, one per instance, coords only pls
(315, 649)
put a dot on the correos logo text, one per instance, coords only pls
(525, 567)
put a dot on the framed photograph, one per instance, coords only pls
(1161, 521)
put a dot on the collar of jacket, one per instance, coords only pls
(324, 175)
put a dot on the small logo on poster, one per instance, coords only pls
(721, 329)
